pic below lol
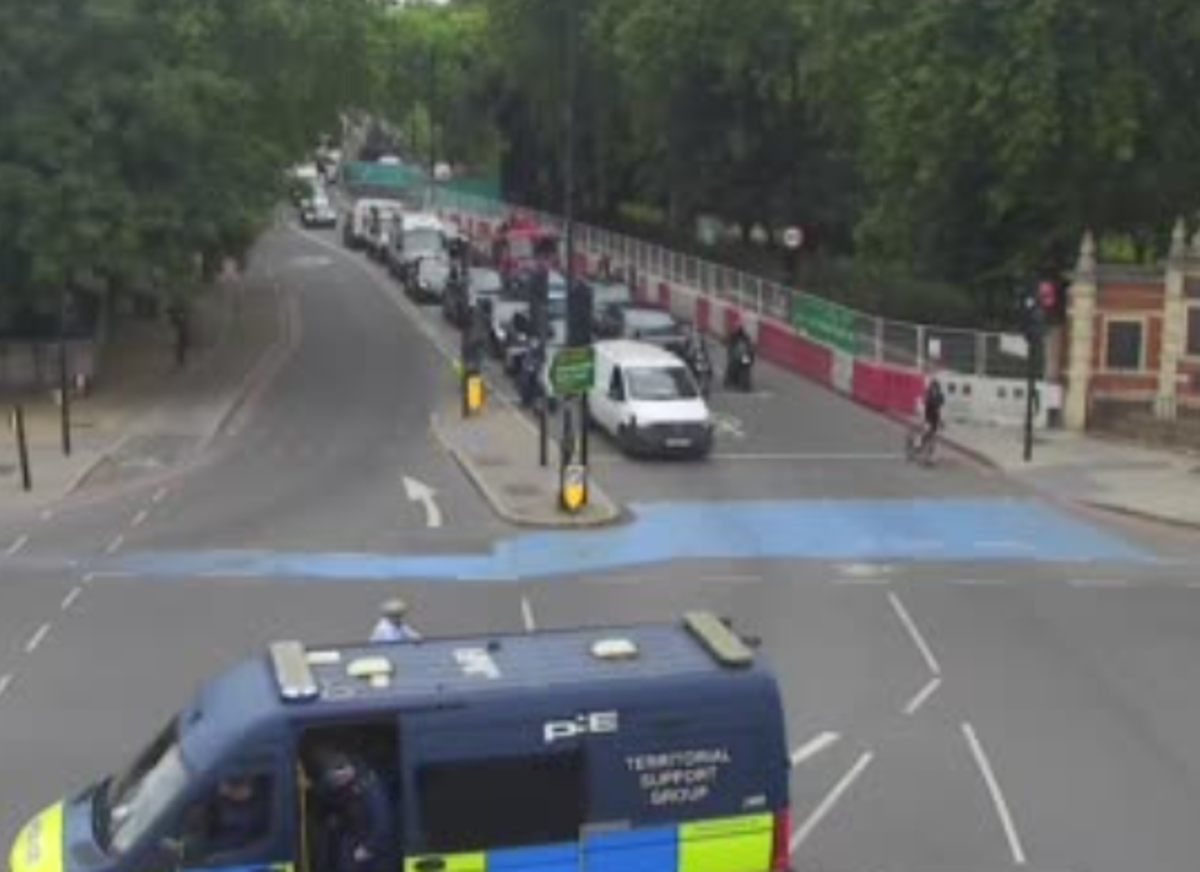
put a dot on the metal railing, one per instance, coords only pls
(858, 334)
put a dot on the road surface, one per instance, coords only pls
(976, 679)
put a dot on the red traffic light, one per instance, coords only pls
(1048, 295)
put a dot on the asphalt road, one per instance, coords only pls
(952, 708)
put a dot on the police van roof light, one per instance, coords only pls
(614, 649)
(724, 644)
(292, 672)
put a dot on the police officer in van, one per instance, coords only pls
(356, 831)
(391, 626)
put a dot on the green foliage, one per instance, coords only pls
(974, 141)
(141, 136)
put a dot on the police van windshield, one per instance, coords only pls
(131, 803)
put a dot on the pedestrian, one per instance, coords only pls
(391, 626)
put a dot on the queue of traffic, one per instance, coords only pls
(509, 295)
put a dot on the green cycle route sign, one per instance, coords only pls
(825, 322)
(573, 371)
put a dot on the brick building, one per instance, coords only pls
(1132, 345)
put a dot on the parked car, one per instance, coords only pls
(648, 401)
(642, 323)
(317, 211)
(428, 281)
(481, 284)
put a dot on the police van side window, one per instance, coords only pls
(502, 802)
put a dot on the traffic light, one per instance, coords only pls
(579, 314)
(539, 303)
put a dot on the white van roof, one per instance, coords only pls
(422, 221)
(629, 352)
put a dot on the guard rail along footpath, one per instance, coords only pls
(879, 363)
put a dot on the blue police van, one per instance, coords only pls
(653, 748)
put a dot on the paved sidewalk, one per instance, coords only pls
(144, 414)
(498, 452)
(1149, 483)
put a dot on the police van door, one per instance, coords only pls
(240, 822)
(485, 790)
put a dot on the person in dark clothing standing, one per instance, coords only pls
(356, 831)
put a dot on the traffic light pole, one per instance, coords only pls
(1030, 389)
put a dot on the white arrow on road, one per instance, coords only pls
(419, 492)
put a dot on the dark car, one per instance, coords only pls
(481, 284)
(644, 323)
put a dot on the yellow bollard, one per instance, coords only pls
(573, 489)
(475, 394)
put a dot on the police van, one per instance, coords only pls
(655, 748)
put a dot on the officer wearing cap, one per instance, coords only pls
(391, 626)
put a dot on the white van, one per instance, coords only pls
(360, 221)
(648, 401)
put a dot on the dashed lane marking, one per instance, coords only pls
(69, 599)
(139, 518)
(37, 638)
(922, 696)
(18, 543)
(159, 496)
(813, 747)
(527, 615)
(989, 776)
(115, 544)
(5, 682)
(915, 633)
(821, 811)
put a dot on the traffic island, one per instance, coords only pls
(498, 451)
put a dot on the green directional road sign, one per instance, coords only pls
(573, 371)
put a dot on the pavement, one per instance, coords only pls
(976, 678)
(497, 453)
(1149, 483)
(145, 414)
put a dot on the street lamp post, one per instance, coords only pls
(579, 328)
(64, 376)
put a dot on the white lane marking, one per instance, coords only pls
(139, 518)
(527, 615)
(865, 570)
(1098, 582)
(784, 457)
(800, 836)
(922, 696)
(813, 747)
(19, 543)
(978, 582)
(89, 577)
(37, 638)
(69, 599)
(418, 492)
(993, 786)
(47, 514)
(918, 639)
(159, 496)
(1005, 544)
(5, 681)
(731, 579)
(862, 582)
(115, 544)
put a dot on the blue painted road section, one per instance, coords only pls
(909, 530)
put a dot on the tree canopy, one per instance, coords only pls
(142, 137)
(968, 142)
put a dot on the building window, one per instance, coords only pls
(1123, 345)
(1193, 331)
(498, 803)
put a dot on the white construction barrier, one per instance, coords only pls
(996, 401)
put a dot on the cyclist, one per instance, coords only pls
(933, 402)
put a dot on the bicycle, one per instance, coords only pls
(920, 444)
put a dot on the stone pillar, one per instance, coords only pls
(1174, 329)
(1081, 316)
